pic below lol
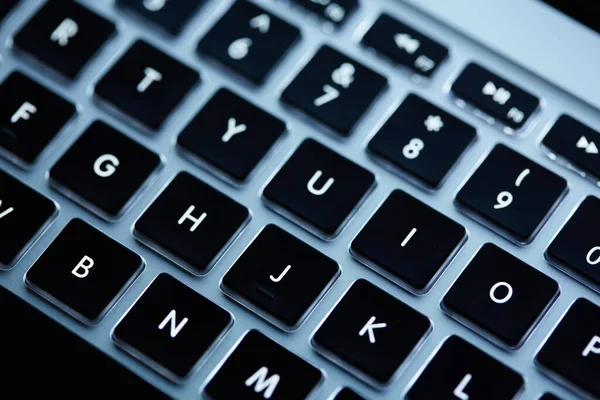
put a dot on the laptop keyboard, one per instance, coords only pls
(287, 200)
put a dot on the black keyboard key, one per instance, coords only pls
(104, 170)
(258, 369)
(347, 394)
(57, 362)
(335, 90)
(408, 242)
(512, 194)
(6, 7)
(191, 223)
(249, 40)
(319, 187)
(572, 352)
(146, 84)
(494, 295)
(371, 333)
(281, 277)
(501, 99)
(231, 134)
(65, 36)
(461, 371)
(172, 16)
(24, 214)
(405, 45)
(575, 143)
(549, 396)
(422, 141)
(84, 272)
(576, 249)
(172, 328)
(30, 117)
(334, 11)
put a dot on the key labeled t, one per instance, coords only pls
(151, 76)
(24, 112)
(233, 129)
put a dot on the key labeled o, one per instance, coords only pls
(591, 253)
(106, 165)
(506, 297)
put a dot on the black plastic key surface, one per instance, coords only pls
(572, 352)
(281, 277)
(549, 396)
(335, 90)
(576, 143)
(347, 394)
(172, 16)
(501, 99)
(191, 223)
(511, 194)
(65, 36)
(146, 84)
(104, 170)
(405, 45)
(408, 241)
(61, 363)
(576, 248)
(249, 40)
(30, 117)
(258, 369)
(172, 328)
(334, 11)
(319, 187)
(24, 213)
(371, 333)
(423, 141)
(6, 6)
(461, 371)
(494, 295)
(231, 134)
(84, 272)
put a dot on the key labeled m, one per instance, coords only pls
(261, 383)
(175, 327)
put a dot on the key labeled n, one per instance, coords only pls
(174, 327)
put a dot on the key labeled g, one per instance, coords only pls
(106, 165)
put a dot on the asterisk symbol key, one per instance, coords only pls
(434, 123)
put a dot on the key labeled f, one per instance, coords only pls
(24, 112)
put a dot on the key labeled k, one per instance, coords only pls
(370, 327)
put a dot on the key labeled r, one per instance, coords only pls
(67, 30)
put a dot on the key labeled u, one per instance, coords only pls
(323, 189)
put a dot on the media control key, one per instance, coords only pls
(405, 45)
(494, 95)
(576, 248)
(371, 333)
(572, 352)
(460, 371)
(576, 143)
(259, 369)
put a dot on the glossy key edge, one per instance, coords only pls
(347, 367)
(167, 254)
(155, 365)
(248, 305)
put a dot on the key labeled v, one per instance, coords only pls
(5, 212)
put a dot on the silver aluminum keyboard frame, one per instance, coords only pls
(183, 47)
